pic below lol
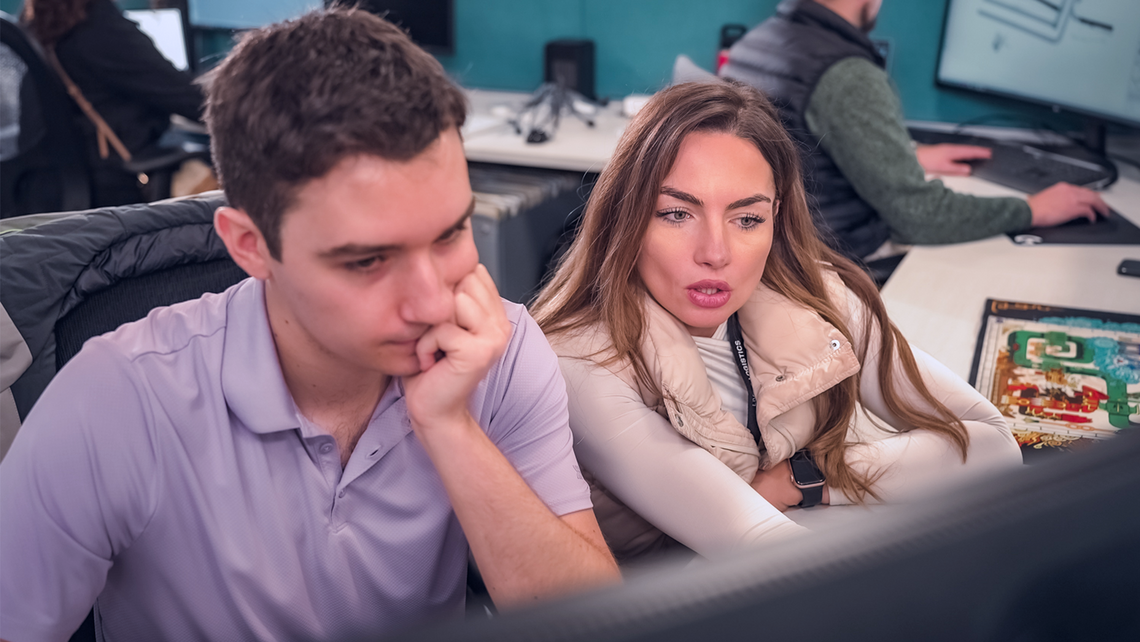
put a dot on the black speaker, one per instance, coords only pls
(570, 63)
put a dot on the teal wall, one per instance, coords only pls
(499, 45)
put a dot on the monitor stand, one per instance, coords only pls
(1096, 137)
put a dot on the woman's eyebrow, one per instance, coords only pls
(751, 200)
(682, 196)
(737, 204)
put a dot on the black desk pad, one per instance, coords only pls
(1114, 230)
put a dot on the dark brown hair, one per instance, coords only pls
(50, 20)
(597, 283)
(294, 99)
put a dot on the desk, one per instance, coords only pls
(575, 146)
(937, 294)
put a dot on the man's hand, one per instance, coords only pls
(776, 486)
(455, 356)
(524, 551)
(1064, 202)
(948, 159)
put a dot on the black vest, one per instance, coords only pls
(784, 57)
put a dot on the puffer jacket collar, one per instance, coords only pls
(794, 355)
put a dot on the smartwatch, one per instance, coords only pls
(807, 477)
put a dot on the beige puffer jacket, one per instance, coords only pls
(794, 355)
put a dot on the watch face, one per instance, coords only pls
(805, 472)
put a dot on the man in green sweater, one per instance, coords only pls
(872, 199)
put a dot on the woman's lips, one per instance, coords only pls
(709, 294)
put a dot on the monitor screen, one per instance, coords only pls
(246, 14)
(1079, 55)
(1042, 553)
(164, 27)
(430, 23)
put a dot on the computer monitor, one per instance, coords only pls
(1043, 553)
(1073, 55)
(246, 14)
(164, 27)
(430, 23)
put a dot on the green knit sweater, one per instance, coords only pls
(856, 114)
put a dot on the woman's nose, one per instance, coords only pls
(712, 247)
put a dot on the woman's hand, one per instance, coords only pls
(776, 486)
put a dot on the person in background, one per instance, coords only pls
(122, 75)
(716, 352)
(865, 177)
(312, 453)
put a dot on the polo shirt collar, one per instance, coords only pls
(252, 381)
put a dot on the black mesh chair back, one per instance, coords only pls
(133, 298)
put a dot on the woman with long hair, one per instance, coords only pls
(719, 357)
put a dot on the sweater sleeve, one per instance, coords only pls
(857, 116)
(668, 480)
(908, 464)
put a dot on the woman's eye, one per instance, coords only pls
(749, 222)
(673, 216)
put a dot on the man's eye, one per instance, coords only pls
(364, 264)
(454, 232)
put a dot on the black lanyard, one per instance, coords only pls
(736, 338)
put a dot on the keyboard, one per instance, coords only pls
(1026, 167)
(1029, 169)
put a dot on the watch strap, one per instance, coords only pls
(812, 496)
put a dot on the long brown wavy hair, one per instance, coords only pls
(50, 20)
(597, 283)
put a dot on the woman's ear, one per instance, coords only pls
(246, 245)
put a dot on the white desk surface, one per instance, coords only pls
(575, 146)
(937, 295)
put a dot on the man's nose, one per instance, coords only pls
(427, 297)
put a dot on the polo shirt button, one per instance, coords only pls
(326, 448)
(340, 494)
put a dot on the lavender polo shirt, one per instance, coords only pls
(167, 472)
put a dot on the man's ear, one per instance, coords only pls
(244, 241)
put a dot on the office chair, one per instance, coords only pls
(50, 171)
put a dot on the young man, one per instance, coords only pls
(815, 61)
(311, 453)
